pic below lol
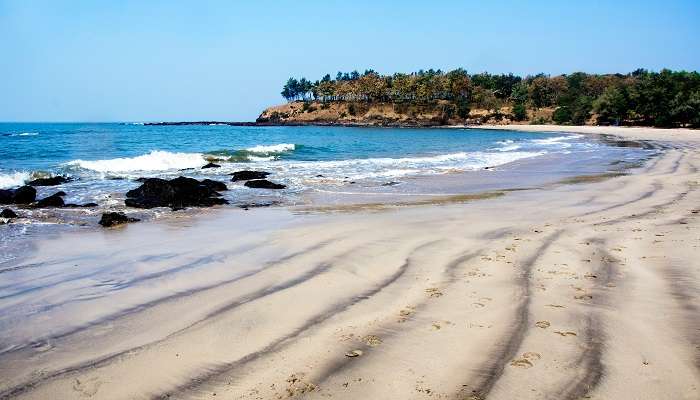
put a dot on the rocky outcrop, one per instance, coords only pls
(115, 218)
(22, 195)
(52, 181)
(263, 184)
(55, 200)
(211, 165)
(248, 175)
(9, 214)
(176, 193)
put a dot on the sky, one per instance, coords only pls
(172, 60)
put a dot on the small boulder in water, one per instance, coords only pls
(248, 175)
(263, 184)
(214, 185)
(52, 181)
(211, 165)
(86, 205)
(176, 193)
(22, 195)
(115, 218)
(9, 214)
(55, 200)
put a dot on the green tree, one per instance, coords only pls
(519, 112)
(611, 107)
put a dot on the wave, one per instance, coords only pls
(154, 161)
(395, 167)
(255, 153)
(272, 149)
(13, 179)
(21, 134)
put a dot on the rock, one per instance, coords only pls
(115, 218)
(391, 183)
(53, 181)
(54, 200)
(6, 196)
(247, 206)
(22, 195)
(7, 213)
(248, 175)
(263, 184)
(176, 193)
(211, 165)
(86, 205)
(214, 185)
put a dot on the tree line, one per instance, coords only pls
(664, 99)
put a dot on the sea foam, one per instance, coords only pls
(153, 161)
(13, 179)
(271, 149)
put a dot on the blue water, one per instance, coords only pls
(105, 158)
(47, 146)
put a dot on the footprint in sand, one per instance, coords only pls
(565, 333)
(433, 292)
(87, 387)
(542, 324)
(372, 340)
(405, 313)
(583, 297)
(526, 361)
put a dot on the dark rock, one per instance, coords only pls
(141, 180)
(214, 185)
(24, 195)
(211, 165)
(176, 193)
(7, 213)
(54, 200)
(391, 183)
(319, 176)
(115, 218)
(247, 206)
(6, 196)
(86, 205)
(263, 184)
(53, 181)
(248, 175)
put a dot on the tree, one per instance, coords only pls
(519, 112)
(611, 107)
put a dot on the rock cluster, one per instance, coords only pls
(176, 193)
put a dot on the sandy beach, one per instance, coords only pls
(588, 289)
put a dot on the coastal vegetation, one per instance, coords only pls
(644, 98)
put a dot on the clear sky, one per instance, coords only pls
(187, 60)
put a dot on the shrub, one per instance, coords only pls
(519, 112)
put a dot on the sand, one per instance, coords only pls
(586, 290)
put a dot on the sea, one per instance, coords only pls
(314, 162)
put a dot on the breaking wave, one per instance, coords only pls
(13, 179)
(153, 161)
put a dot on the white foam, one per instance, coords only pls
(275, 148)
(28, 134)
(153, 161)
(13, 179)
(395, 167)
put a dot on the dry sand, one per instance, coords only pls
(574, 291)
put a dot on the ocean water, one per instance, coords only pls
(105, 158)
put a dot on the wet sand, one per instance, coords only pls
(588, 289)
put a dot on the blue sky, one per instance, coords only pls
(227, 60)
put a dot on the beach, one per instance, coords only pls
(586, 288)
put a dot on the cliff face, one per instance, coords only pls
(377, 114)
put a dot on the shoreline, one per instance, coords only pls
(568, 291)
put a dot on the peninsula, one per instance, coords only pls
(437, 98)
